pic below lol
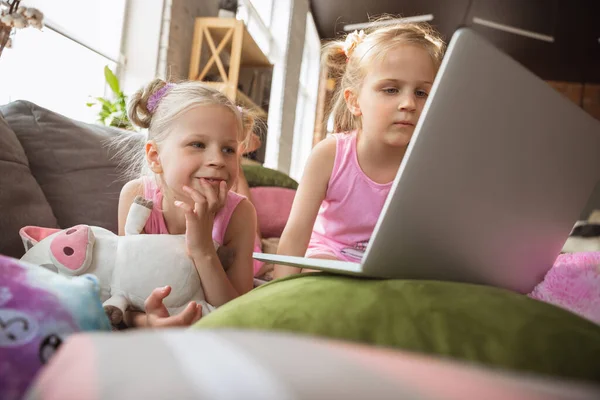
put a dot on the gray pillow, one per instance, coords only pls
(22, 201)
(71, 162)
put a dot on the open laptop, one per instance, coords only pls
(498, 169)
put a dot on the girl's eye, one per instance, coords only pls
(390, 90)
(229, 150)
(421, 93)
(197, 145)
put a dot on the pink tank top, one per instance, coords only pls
(156, 222)
(351, 207)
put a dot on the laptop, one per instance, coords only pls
(496, 174)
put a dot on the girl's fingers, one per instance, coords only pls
(207, 198)
(154, 302)
(209, 193)
(184, 318)
(222, 193)
(196, 196)
(198, 313)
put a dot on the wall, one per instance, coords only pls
(180, 27)
(157, 39)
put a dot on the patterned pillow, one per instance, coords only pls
(38, 310)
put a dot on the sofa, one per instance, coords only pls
(56, 172)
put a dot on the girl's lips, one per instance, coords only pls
(213, 181)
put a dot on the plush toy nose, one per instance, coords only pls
(71, 250)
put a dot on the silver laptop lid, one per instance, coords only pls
(497, 172)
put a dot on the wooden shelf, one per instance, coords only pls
(215, 37)
(251, 55)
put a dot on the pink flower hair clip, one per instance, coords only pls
(352, 40)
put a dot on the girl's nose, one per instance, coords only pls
(216, 158)
(407, 102)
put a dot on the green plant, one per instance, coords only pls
(113, 112)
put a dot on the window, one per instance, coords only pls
(264, 8)
(60, 67)
(53, 72)
(96, 24)
(269, 24)
(307, 99)
(257, 15)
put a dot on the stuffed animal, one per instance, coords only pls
(128, 267)
(38, 310)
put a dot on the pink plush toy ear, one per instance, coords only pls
(32, 235)
(71, 250)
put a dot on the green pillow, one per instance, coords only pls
(468, 322)
(257, 175)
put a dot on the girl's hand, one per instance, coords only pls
(157, 315)
(200, 218)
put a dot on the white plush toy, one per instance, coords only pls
(128, 267)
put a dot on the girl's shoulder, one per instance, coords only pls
(344, 136)
(133, 188)
(233, 200)
(243, 208)
(145, 186)
(326, 148)
(337, 150)
(129, 192)
(237, 222)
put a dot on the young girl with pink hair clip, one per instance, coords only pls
(383, 79)
(191, 161)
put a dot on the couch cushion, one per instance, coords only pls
(257, 175)
(71, 162)
(22, 201)
(273, 206)
(469, 322)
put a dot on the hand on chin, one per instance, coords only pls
(212, 185)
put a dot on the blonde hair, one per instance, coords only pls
(349, 72)
(175, 100)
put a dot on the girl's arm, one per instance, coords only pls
(309, 196)
(128, 193)
(221, 286)
(242, 187)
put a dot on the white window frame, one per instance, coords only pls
(306, 107)
(259, 29)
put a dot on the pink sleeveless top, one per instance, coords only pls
(156, 222)
(351, 207)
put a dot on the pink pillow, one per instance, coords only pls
(273, 205)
